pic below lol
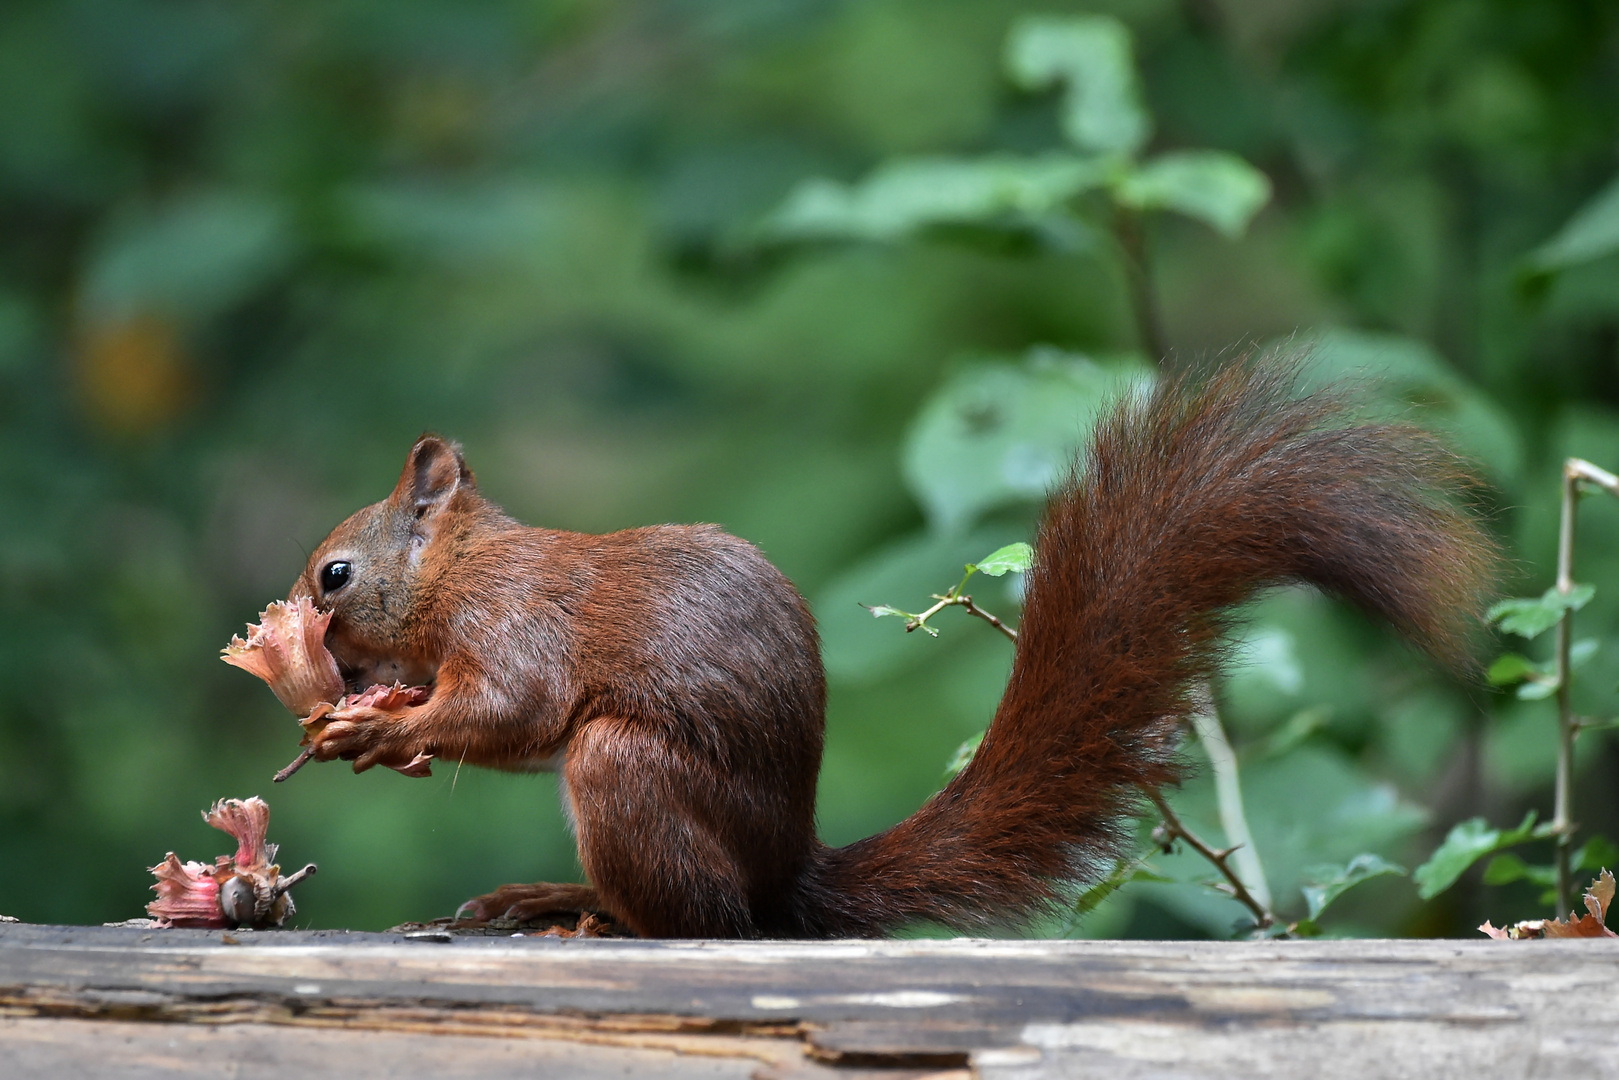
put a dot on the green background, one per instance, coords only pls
(248, 252)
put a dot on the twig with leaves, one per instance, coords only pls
(1575, 472)
(1106, 166)
(1013, 558)
(1244, 883)
(1174, 829)
(1528, 618)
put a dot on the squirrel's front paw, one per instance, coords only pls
(370, 736)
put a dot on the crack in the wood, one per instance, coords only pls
(764, 1041)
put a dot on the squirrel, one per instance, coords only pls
(673, 675)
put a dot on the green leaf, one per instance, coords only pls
(1295, 731)
(962, 758)
(1506, 868)
(1092, 898)
(1219, 189)
(999, 433)
(514, 225)
(192, 257)
(1013, 558)
(1089, 900)
(1537, 681)
(1537, 691)
(857, 647)
(880, 610)
(1268, 654)
(1332, 882)
(1590, 234)
(904, 197)
(1466, 844)
(1597, 853)
(1510, 669)
(1314, 805)
(1091, 56)
(1533, 616)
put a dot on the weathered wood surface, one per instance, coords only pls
(114, 1002)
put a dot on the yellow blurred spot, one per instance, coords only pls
(439, 117)
(132, 376)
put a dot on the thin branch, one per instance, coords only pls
(919, 621)
(1562, 799)
(1575, 472)
(1128, 230)
(1592, 474)
(305, 755)
(1221, 860)
(1228, 794)
(285, 884)
(974, 609)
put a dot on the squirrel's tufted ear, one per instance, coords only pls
(433, 473)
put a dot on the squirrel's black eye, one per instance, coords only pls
(335, 575)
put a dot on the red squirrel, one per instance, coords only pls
(673, 675)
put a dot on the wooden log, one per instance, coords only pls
(274, 1002)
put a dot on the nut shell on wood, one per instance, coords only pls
(244, 889)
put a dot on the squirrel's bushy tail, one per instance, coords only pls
(1184, 504)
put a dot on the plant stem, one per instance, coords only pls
(1563, 798)
(1574, 472)
(305, 756)
(974, 609)
(286, 883)
(1228, 794)
(1221, 860)
(1128, 230)
(952, 598)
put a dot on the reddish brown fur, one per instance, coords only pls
(680, 672)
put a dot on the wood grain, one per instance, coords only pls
(796, 1010)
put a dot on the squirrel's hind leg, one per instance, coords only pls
(527, 902)
(643, 811)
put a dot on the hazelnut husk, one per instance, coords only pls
(287, 649)
(244, 889)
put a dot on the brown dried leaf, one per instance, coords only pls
(1584, 926)
(1597, 898)
(1600, 895)
(593, 925)
(590, 925)
(287, 649)
(1591, 925)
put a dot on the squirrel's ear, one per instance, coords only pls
(433, 473)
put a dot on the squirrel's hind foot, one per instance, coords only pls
(529, 902)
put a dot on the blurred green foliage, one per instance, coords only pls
(250, 251)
